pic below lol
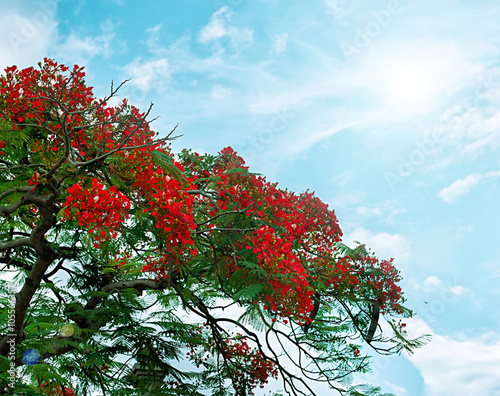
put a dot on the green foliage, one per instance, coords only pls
(167, 164)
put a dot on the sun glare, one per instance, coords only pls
(409, 85)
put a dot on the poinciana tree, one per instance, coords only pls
(136, 271)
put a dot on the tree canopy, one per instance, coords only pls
(134, 270)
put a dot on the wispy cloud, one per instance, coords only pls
(385, 209)
(398, 390)
(219, 92)
(279, 43)
(147, 75)
(469, 127)
(78, 49)
(460, 187)
(217, 27)
(220, 27)
(295, 147)
(319, 77)
(433, 284)
(337, 7)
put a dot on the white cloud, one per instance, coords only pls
(462, 186)
(217, 27)
(433, 284)
(279, 43)
(337, 7)
(492, 268)
(385, 209)
(383, 244)
(219, 92)
(492, 174)
(457, 365)
(148, 74)
(458, 290)
(220, 27)
(398, 390)
(404, 80)
(432, 281)
(374, 211)
(154, 43)
(294, 147)
(28, 30)
(470, 125)
(80, 50)
(459, 188)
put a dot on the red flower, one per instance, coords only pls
(99, 209)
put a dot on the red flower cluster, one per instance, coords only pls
(295, 223)
(101, 210)
(289, 293)
(67, 392)
(341, 275)
(296, 246)
(27, 95)
(27, 99)
(255, 369)
(55, 390)
(170, 205)
(379, 278)
(385, 283)
(400, 326)
(355, 351)
(249, 368)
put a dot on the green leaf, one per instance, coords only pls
(249, 292)
(165, 161)
(236, 170)
(254, 317)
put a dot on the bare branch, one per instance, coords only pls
(15, 243)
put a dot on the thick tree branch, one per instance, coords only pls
(45, 256)
(15, 243)
(58, 345)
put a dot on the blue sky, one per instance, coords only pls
(387, 109)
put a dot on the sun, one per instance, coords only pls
(410, 84)
(406, 84)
